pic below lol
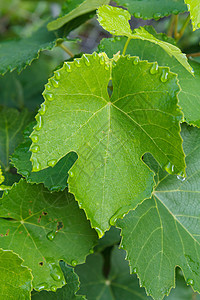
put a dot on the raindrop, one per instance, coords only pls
(52, 162)
(99, 231)
(53, 288)
(34, 138)
(74, 263)
(136, 60)
(135, 270)
(42, 109)
(175, 12)
(71, 174)
(113, 220)
(86, 60)
(154, 68)
(102, 60)
(157, 16)
(55, 272)
(39, 123)
(36, 164)
(25, 173)
(118, 38)
(77, 62)
(55, 82)
(42, 286)
(95, 55)
(190, 282)
(181, 178)
(137, 15)
(68, 67)
(57, 75)
(35, 148)
(48, 86)
(164, 76)
(91, 251)
(169, 168)
(51, 235)
(49, 97)
(107, 67)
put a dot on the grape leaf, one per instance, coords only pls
(189, 96)
(55, 179)
(109, 239)
(194, 8)
(2, 178)
(169, 226)
(85, 7)
(115, 20)
(109, 134)
(118, 285)
(156, 9)
(43, 228)
(67, 292)
(15, 279)
(113, 17)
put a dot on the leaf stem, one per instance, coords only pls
(197, 54)
(126, 45)
(176, 34)
(171, 26)
(184, 27)
(66, 50)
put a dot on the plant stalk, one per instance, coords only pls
(66, 50)
(126, 45)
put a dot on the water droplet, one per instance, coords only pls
(181, 178)
(68, 67)
(42, 286)
(175, 12)
(190, 282)
(51, 235)
(102, 60)
(113, 220)
(118, 38)
(57, 75)
(107, 67)
(36, 164)
(95, 55)
(164, 76)
(77, 62)
(54, 188)
(169, 168)
(135, 270)
(74, 263)
(5, 192)
(55, 272)
(48, 86)
(55, 82)
(91, 251)
(35, 148)
(42, 109)
(137, 15)
(86, 60)
(157, 16)
(34, 138)
(52, 162)
(71, 174)
(136, 60)
(24, 173)
(49, 96)
(39, 123)
(53, 288)
(99, 231)
(154, 68)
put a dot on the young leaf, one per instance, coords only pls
(163, 232)
(54, 178)
(153, 9)
(189, 96)
(2, 178)
(115, 20)
(118, 285)
(194, 8)
(43, 228)
(109, 134)
(85, 7)
(16, 279)
(67, 292)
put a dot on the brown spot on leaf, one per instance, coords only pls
(59, 226)
(20, 232)
(7, 233)
(39, 219)
(1, 234)
(41, 263)
(44, 213)
(29, 211)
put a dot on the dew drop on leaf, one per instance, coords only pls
(169, 168)
(137, 15)
(34, 138)
(135, 270)
(181, 178)
(102, 60)
(49, 97)
(86, 60)
(68, 67)
(164, 76)
(95, 55)
(53, 288)
(99, 231)
(35, 149)
(42, 109)
(190, 282)
(41, 287)
(57, 75)
(55, 82)
(39, 123)
(136, 60)
(71, 174)
(56, 273)
(74, 263)
(77, 62)
(52, 162)
(51, 235)
(48, 86)
(154, 68)
(36, 164)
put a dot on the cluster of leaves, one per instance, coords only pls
(111, 162)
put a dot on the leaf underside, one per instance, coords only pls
(169, 224)
(110, 135)
(43, 228)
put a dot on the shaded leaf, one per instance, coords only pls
(169, 225)
(189, 96)
(109, 134)
(194, 8)
(85, 7)
(16, 279)
(43, 228)
(117, 286)
(67, 292)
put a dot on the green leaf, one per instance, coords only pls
(43, 228)
(115, 20)
(54, 178)
(2, 178)
(154, 8)
(194, 8)
(189, 96)
(109, 134)
(67, 292)
(110, 238)
(15, 279)
(118, 285)
(85, 7)
(169, 225)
